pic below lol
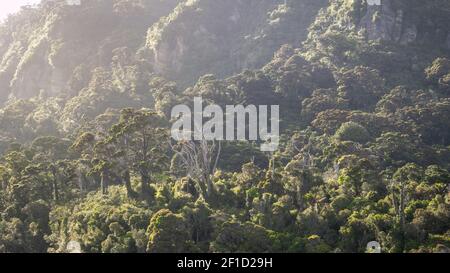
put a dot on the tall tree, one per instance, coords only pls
(142, 140)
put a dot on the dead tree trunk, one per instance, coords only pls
(200, 160)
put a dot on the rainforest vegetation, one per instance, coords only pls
(87, 162)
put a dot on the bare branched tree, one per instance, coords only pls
(199, 159)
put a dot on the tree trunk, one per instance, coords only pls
(145, 186)
(4, 183)
(298, 197)
(55, 190)
(55, 185)
(209, 186)
(104, 182)
(82, 181)
(127, 179)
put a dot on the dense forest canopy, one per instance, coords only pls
(87, 162)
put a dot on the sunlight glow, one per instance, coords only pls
(12, 6)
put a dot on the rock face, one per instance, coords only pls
(382, 21)
(401, 21)
(379, 22)
(226, 37)
(397, 37)
(56, 43)
(51, 50)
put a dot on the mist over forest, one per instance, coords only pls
(87, 162)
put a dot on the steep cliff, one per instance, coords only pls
(406, 22)
(226, 37)
(86, 163)
(103, 54)
(51, 49)
(398, 37)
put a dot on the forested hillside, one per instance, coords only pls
(87, 162)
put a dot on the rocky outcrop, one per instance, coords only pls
(226, 37)
(44, 50)
(397, 37)
(383, 22)
(379, 22)
(403, 22)
(51, 50)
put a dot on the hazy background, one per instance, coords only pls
(87, 91)
(11, 6)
